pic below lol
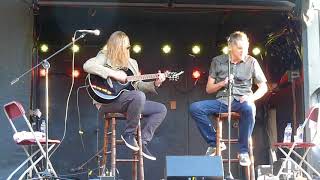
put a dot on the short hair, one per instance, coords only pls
(237, 36)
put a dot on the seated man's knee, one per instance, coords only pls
(163, 109)
(248, 109)
(139, 96)
(194, 107)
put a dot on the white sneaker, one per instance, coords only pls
(211, 151)
(244, 159)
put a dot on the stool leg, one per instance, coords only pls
(113, 146)
(218, 136)
(252, 173)
(247, 172)
(140, 156)
(134, 166)
(105, 148)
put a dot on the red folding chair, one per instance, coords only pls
(15, 111)
(312, 120)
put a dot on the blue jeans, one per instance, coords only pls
(202, 109)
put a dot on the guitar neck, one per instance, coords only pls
(142, 77)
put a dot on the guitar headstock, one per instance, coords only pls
(173, 76)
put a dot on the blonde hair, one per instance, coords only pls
(236, 37)
(116, 49)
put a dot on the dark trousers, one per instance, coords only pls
(202, 109)
(134, 103)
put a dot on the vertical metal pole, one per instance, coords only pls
(47, 116)
(229, 176)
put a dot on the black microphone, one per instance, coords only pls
(95, 32)
(77, 169)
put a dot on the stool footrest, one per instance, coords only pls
(231, 160)
(232, 141)
(127, 160)
(120, 142)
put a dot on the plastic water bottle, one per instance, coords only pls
(43, 126)
(299, 135)
(287, 133)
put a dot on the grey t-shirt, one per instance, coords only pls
(245, 73)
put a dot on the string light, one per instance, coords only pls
(44, 48)
(136, 48)
(76, 73)
(196, 49)
(75, 48)
(256, 51)
(225, 50)
(166, 49)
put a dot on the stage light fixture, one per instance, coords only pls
(42, 72)
(75, 48)
(136, 48)
(256, 51)
(76, 73)
(196, 74)
(166, 49)
(225, 50)
(44, 48)
(196, 49)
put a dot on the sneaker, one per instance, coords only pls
(130, 141)
(211, 151)
(146, 153)
(244, 159)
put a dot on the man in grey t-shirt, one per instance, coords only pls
(246, 71)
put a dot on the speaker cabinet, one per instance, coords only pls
(188, 167)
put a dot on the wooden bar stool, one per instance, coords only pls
(220, 118)
(136, 156)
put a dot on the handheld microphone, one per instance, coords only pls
(95, 32)
(231, 77)
(231, 80)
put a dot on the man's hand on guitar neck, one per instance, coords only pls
(161, 78)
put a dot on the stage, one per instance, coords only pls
(164, 35)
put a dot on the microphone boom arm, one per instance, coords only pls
(45, 61)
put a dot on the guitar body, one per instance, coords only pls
(106, 90)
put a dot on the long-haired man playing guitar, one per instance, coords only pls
(111, 62)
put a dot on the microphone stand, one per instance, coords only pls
(230, 85)
(46, 65)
